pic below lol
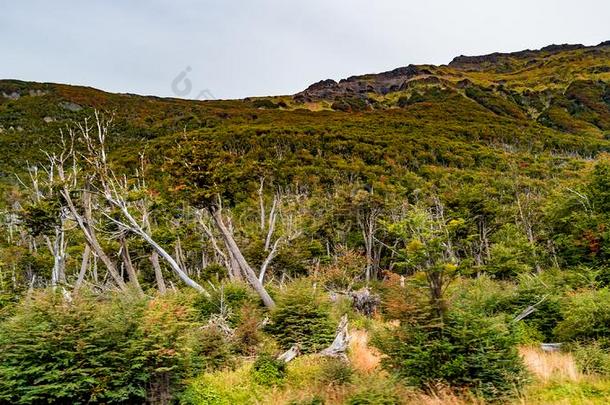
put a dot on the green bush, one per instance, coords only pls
(268, 370)
(336, 371)
(115, 350)
(248, 336)
(302, 317)
(586, 316)
(593, 358)
(468, 351)
(264, 103)
(215, 351)
(374, 393)
(226, 300)
(316, 400)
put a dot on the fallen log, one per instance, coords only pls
(290, 354)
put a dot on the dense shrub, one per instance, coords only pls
(264, 103)
(248, 336)
(336, 371)
(226, 300)
(118, 350)
(374, 393)
(468, 351)
(586, 316)
(492, 297)
(214, 350)
(593, 358)
(268, 370)
(302, 316)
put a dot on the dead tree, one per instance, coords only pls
(234, 250)
(131, 271)
(114, 190)
(83, 268)
(338, 347)
(129, 222)
(43, 189)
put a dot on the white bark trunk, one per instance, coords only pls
(243, 264)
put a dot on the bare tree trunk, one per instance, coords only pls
(83, 268)
(131, 271)
(89, 234)
(243, 264)
(58, 250)
(233, 266)
(272, 221)
(267, 261)
(339, 345)
(228, 260)
(368, 225)
(134, 227)
(529, 232)
(154, 258)
(261, 203)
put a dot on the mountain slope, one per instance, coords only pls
(543, 112)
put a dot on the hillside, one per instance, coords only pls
(450, 219)
(553, 100)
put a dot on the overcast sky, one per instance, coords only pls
(234, 49)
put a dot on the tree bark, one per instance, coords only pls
(339, 345)
(83, 268)
(154, 258)
(131, 271)
(243, 264)
(138, 230)
(89, 235)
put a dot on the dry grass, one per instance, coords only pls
(364, 358)
(443, 397)
(550, 365)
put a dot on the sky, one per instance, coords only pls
(239, 48)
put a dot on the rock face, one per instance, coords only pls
(12, 96)
(359, 86)
(354, 93)
(496, 58)
(70, 106)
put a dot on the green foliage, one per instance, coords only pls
(374, 392)
(223, 387)
(586, 316)
(468, 351)
(350, 104)
(213, 349)
(89, 351)
(42, 217)
(226, 300)
(268, 370)
(593, 358)
(579, 219)
(264, 103)
(302, 316)
(336, 371)
(511, 253)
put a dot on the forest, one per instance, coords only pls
(441, 240)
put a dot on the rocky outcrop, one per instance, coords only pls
(360, 86)
(70, 106)
(497, 58)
